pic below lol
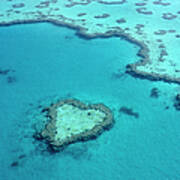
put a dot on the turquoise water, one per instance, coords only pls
(47, 62)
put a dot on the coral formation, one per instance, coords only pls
(72, 121)
(144, 22)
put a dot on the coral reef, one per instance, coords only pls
(72, 121)
(151, 21)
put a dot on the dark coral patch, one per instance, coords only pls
(159, 2)
(168, 16)
(19, 5)
(144, 11)
(15, 164)
(105, 15)
(4, 72)
(177, 102)
(43, 4)
(81, 14)
(154, 93)
(129, 111)
(112, 2)
(140, 4)
(160, 32)
(11, 79)
(120, 21)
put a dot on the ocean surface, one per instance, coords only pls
(45, 63)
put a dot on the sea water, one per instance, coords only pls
(48, 62)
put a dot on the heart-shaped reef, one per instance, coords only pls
(72, 121)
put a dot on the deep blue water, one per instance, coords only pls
(47, 62)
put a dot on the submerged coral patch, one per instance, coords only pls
(144, 11)
(168, 16)
(105, 15)
(177, 102)
(159, 2)
(19, 5)
(154, 93)
(4, 72)
(128, 111)
(72, 121)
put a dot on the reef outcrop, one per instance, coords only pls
(72, 121)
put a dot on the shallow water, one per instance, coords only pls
(47, 62)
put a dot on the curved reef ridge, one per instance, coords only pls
(153, 25)
(72, 121)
